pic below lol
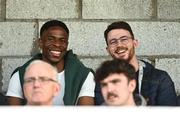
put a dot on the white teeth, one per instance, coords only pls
(56, 52)
(121, 51)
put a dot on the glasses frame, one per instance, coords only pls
(123, 40)
(41, 80)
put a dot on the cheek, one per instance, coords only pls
(111, 50)
(28, 91)
(65, 46)
(103, 91)
(121, 88)
(47, 44)
(131, 46)
(49, 91)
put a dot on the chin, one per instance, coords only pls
(112, 104)
(55, 61)
(120, 57)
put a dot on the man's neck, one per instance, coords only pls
(59, 65)
(131, 101)
(134, 62)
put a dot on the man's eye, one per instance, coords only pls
(124, 39)
(113, 42)
(42, 79)
(62, 39)
(103, 85)
(29, 80)
(50, 38)
(115, 81)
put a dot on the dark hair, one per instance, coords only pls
(115, 66)
(52, 23)
(118, 25)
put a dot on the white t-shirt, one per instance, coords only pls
(87, 89)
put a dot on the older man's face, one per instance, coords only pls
(40, 84)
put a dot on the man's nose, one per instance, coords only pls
(57, 42)
(36, 83)
(109, 87)
(120, 43)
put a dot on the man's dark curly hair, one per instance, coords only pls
(115, 67)
(52, 23)
(118, 25)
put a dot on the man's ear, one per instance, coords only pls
(57, 88)
(132, 85)
(136, 43)
(40, 44)
(107, 49)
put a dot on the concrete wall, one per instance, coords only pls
(156, 24)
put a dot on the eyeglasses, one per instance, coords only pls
(124, 40)
(42, 80)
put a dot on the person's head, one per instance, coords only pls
(117, 80)
(40, 83)
(120, 41)
(54, 41)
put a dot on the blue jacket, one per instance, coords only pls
(157, 88)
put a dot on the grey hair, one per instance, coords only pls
(41, 61)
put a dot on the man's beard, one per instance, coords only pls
(130, 55)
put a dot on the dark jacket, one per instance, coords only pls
(3, 99)
(157, 88)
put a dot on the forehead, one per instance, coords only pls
(39, 69)
(115, 76)
(55, 29)
(117, 33)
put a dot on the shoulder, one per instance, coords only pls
(90, 75)
(14, 77)
(70, 57)
(37, 56)
(89, 81)
(14, 88)
(88, 86)
(73, 62)
(155, 73)
(15, 71)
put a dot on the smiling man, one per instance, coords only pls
(77, 85)
(153, 84)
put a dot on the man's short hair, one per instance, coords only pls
(52, 23)
(116, 66)
(54, 69)
(118, 25)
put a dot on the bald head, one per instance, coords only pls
(40, 83)
(41, 67)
